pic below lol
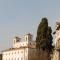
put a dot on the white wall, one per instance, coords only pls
(19, 54)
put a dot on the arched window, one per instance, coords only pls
(26, 38)
(14, 41)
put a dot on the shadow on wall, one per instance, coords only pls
(42, 55)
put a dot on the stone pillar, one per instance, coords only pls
(56, 55)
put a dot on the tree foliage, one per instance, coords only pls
(44, 36)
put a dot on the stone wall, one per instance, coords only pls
(42, 55)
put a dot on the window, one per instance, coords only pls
(6, 59)
(15, 58)
(30, 43)
(21, 58)
(18, 52)
(9, 59)
(14, 41)
(12, 53)
(9, 53)
(26, 38)
(18, 58)
(15, 52)
(12, 58)
(21, 51)
(26, 58)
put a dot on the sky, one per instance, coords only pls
(19, 17)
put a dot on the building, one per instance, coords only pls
(23, 49)
(56, 52)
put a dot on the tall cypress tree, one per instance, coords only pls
(44, 36)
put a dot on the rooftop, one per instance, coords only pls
(12, 49)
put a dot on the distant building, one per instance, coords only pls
(56, 52)
(23, 49)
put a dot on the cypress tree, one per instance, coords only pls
(44, 36)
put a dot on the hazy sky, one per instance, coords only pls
(18, 17)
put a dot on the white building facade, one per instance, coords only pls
(23, 49)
